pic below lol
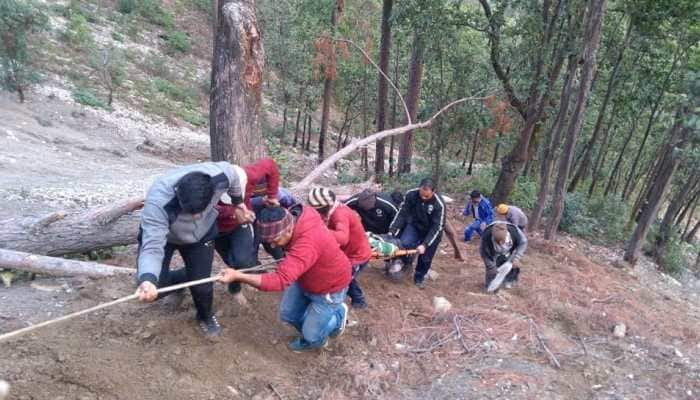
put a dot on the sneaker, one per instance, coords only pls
(210, 326)
(300, 345)
(503, 270)
(420, 284)
(343, 322)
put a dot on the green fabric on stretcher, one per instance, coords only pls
(380, 246)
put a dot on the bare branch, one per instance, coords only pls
(398, 92)
(345, 151)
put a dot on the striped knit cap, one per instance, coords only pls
(321, 197)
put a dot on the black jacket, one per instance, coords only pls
(427, 217)
(377, 219)
(488, 252)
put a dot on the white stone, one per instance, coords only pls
(4, 389)
(432, 275)
(441, 305)
(620, 330)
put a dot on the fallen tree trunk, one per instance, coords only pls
(57, 266)
(62, 232)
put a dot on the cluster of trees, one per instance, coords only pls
(593, 98)
(597, 97)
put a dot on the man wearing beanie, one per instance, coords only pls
(480, 209)
(347, 229)
(419, 223)
(512, 214)
(179, 214)
(376, 210)
(502, 246)
(314, 274)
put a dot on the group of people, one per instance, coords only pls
(321, 245)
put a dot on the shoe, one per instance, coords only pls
(359, 305)
(420, 284)
(210, 326)
(300, 345)
(343, 322)
(503, 271)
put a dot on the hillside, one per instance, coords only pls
(64, 148)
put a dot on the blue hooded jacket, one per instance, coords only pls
(484, 212)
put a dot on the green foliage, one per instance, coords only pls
(109, 67)
(154, 13)
(177, 41)
(126, 6)
(176, 92)
(18, 20)
(674, 261)
(599, 219)
(194, 117)
(87, 97)
(78, 33)
(117, 37)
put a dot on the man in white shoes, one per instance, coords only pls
(502, 246)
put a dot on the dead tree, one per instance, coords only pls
(57, 266)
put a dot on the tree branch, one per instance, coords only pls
(345, 151)
(398, 92)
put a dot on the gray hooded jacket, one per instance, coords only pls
(162, 220)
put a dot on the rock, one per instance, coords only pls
(678, 353)
(399, 346)
(432, 275)
(441, 305)
(43, 122)
(620, 330)
(4, 389)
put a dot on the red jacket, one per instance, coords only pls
(346, 226)
(263, 180)
(313, 259)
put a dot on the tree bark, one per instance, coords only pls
(592, 40)
(552, 141)
(475, 145)
(236, 83)
(582, 171)
(308, 133)
(664, 234)
(57, 266)
(616, 169)
(415, 77)
(61, 233)
(678, 140)
(603, 152)
(691, 235)
(328, 89)
(296, 129)
(383, 85)
(393, 109)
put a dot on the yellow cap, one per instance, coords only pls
(502, 209)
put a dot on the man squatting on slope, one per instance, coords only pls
(179, 214)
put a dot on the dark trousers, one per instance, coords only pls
(238, 250)
(354, 290)
(492, 272)
(198, 258)
(410, 239)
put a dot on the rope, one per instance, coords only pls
(5, 336)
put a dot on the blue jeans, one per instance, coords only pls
(354, 290)
(475, 226)
(410, 239)
(315, 316)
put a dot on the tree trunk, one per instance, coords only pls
(328, 89)
(592, 40)
(552, 140)
(652, 119)
(236, 82)
(383, 85)
(284, 123)
(602, 153)
(57, 266)
(494, 159)
(393, 109)
(678, 139)
(296, 129)
(582, 171)
(664, 234)
(690, 206)
(691, 235)
(475, 145)
(308, 133)
(61, 233)
(415, 77)
(616, 169)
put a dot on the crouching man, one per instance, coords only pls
(179, 214)
(314, 274)
(502, 246)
